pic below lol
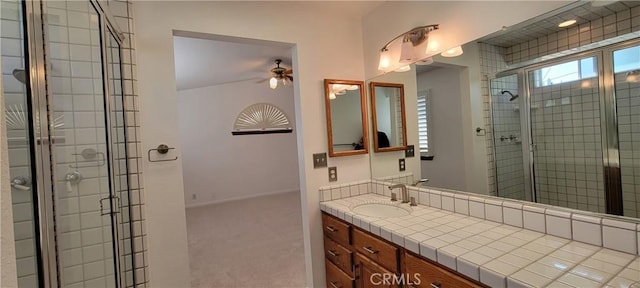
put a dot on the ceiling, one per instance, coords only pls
(205, 62)
(547, 24)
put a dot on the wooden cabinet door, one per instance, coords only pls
(336, 278)
(422, 273)
(376, 249)
(369, 274)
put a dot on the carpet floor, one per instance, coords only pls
(254, 242)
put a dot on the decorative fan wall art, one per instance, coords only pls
(261, 118)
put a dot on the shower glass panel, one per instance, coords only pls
(626, 69)
(507, 137)
(15, 97)
(83, 186)
(566, 138)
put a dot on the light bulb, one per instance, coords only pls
(385, 59)
(273, 83)
(434, 43)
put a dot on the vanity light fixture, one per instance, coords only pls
(453, 52)
(410, 40)
(425, 61)
(567, 23)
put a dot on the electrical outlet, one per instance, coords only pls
(410, 151)
(319, 160)
(401, 165)
(333, 174)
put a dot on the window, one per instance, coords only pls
(566, 72)
(424, 122)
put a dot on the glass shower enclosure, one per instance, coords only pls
(67, 140)
(566, 132)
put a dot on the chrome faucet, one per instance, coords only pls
(405, 195)
(424, 180)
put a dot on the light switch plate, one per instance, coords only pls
(410, 151)
(333, 174)
(401, 165)
(319, 160)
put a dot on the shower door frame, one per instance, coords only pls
(41, 115)
(608, 117)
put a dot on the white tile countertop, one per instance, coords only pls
(495, 254)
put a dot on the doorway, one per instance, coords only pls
(240, 170)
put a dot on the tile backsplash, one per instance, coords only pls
(617, 233)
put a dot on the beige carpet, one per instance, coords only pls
(255, 242)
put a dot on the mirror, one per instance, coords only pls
(346, 112)
(480, 137)
(388, 114)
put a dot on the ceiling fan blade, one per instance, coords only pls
(263, 80)
(290, 78)
(288, 71)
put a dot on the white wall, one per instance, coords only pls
(315, 30)
(447, 169)
(212, 157)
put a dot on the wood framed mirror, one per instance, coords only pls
(389, 120)
(345, 106)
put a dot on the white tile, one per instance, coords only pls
(492, 278)
(493, 212)
(476, 209)
(534, 221)
(613, 257)
(448, 203)
(619, 239)
(525, 278)
(590, 273)
(435, 200)
(558, 226)
(587, 232)
(512, 216)
(468, 269)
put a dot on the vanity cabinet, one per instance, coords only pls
(357, 258)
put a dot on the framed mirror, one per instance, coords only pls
(346, 117)
(389, 120)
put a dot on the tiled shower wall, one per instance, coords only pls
(507, 138)
(565, 124)
(628, 112)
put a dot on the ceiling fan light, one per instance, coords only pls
(273, 83)
(385, 59)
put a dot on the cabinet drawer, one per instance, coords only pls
(372, 275)
(336, 230)
(422, 273)
(338, 255)
(376, 249)
(336, 278)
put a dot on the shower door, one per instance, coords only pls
(566, 137)
(511, 167)
(626, 70)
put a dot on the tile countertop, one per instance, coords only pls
(495, 254)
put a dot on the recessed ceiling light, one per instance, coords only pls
(567, 23)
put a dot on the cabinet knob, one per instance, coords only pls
(335, 284)
(332, 253)
(436, 285)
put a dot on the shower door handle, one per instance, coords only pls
(110, 212)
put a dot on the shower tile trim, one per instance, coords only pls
(608, 231)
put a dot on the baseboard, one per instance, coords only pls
(200, 204)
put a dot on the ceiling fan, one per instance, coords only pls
(280, 73)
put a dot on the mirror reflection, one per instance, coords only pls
(389, 122)
(346, 117)
(536, 112)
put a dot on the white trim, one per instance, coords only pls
(244, 197)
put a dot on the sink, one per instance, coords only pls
(381, 209)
